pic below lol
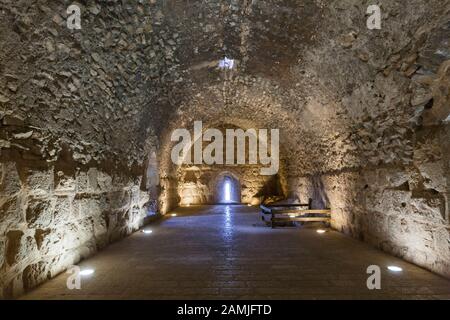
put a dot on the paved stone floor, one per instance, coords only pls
(216, 252)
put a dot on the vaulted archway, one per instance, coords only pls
(227, 189)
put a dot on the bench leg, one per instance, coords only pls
(272, 221)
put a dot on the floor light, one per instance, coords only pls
(87, 272)
(321, 231)
(395, 269)
(147, 231)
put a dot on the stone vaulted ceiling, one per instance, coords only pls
(342, 95)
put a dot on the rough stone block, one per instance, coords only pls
(65, 184)
(10, 183)
(431, 209)
(442, 243)
(93, 179)
(40, 182)
(82, 182)
(2, 251)
(389, 201)
(77, 234)
(119, 199)
(19, 247)
(377, 224)
(370, 176)
(398, 229)
(39, 212)
(434, 176)
(62, 262)
(144, 197)
(40, 235)
(63, 211)
(89, 205)
(397, 178)
(124, 217)
(136, 218)
(35, 274)
(52, 242)
(111, 220)
(11, 213)
(101, 230)
(135, 194)
(104, 181)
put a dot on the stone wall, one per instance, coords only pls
(74, 135)
(403, 210)
(198, 185)
(50, 220)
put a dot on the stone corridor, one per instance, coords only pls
(115, 112)
(211, 252)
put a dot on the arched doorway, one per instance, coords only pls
(228, 189)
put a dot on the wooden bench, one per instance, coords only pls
(271, 214)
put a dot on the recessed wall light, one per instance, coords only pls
(321, 231)
(87, 272)
(173, 214)
(147, 231)
(395, 269)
